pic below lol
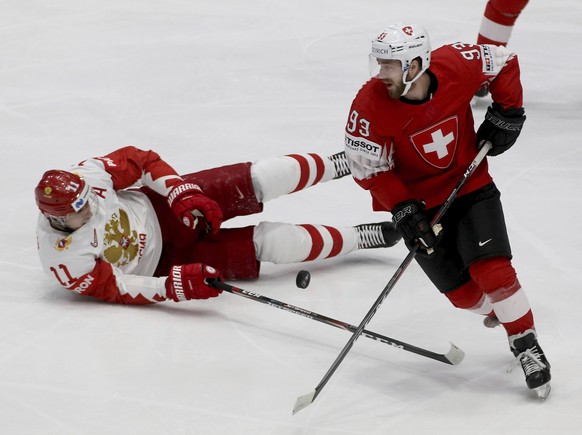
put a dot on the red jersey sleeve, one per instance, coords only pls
(130, 165)
(506, 89)
(101, 283)
(494, 66)
(386, 189)
(370, 148)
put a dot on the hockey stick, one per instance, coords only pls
(454, 356)
(306, 400)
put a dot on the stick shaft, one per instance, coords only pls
(388, 288)
(456, 358)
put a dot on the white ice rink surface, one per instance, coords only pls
(207, 83)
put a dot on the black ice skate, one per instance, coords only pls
(536, 367)
(380, 235)
(340, 163)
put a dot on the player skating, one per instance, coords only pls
(409, 138)
(127, 228)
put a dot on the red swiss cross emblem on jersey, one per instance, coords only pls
(438, 143)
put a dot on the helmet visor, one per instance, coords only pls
(75, 220)
(384, 68)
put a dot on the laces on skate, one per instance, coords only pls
(534, 363)
(340, 163)
(379, 235)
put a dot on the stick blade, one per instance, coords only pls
(455, 355)
(304, 401)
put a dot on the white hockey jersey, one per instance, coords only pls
(114, 255)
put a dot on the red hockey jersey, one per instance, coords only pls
(400, 150)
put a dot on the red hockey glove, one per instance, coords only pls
(190, 282)
(188, 203)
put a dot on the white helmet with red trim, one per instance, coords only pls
(403, 42)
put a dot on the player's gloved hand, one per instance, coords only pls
(190, 282)
(189, 203)
(501, 127)
(411, 220)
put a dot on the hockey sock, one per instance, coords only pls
(279, 176)
(287, 243)
(469, 297)
(498, 21)
(497, 279)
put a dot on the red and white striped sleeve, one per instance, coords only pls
(130, 166)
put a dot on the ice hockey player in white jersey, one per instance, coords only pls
(126, 228)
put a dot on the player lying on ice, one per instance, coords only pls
(127, 228)
(410, 136)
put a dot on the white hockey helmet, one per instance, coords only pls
(403, 42)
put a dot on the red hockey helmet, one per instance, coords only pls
(60, 192)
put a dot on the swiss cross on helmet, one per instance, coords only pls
(403, 42)
(60, 192)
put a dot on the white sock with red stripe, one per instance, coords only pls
(498, 21)
(512, 308)
(496, 278)
(470, 297)
(484, 307)
(279, 176)
(287, 243)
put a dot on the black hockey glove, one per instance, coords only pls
(501, 127)
(411, 220)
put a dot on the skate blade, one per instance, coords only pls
(544, 391)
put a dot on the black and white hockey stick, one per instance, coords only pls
(454, 356)
(307, 399)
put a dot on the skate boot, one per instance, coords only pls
(491, 321)
(535, 366)
(483, 91)
(340, 163)
(380, 235)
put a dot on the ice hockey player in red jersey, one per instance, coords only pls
(409, 138)
(126, 228)
(497, 24)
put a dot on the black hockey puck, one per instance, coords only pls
(303, 279)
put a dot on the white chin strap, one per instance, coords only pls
(408, 84)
